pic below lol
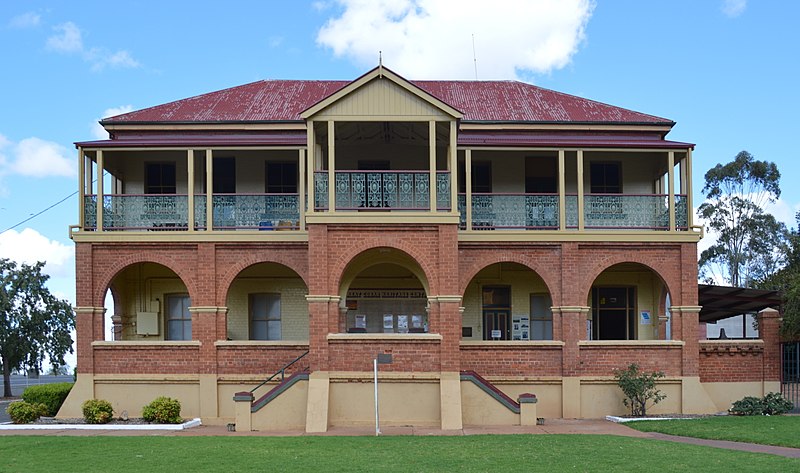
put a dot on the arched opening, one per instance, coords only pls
(384, 291)
(507, 301)
(150, 302)
(628, 302)
(267, 301)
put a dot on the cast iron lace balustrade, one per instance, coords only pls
(255, 211)
(138, 212)
(626, 211)
(390, 190)
(511, 211)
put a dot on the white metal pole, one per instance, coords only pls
(375, 368)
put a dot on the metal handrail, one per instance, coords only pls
(281, 372)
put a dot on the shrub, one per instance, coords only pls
(51, 395)
(769, 405)
(22, 412)
(163, 410)
(639, 388)
(97, 411)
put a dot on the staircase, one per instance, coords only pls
(279, 389)
(491, 390)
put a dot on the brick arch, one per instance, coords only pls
(103, 283)
(353, 251)
(241, 264)
(548, 274)
(650, 262)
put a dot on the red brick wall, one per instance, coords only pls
(512, 361)
(731, 362)
(602, 360)
(358, 355)
(146, 359)
(259, 360)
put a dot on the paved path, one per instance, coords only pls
(552, 426)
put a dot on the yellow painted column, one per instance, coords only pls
(331, 167)
(310, 158)
(671, 193)
(562, 192)
(453, 166)
(190, 190)
(468, 177)
(99, 202)
(432, 163)
(581, 201)
(689, 208)
(301, 191)
(81, 188)
(209, 191)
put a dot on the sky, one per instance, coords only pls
(725, 70)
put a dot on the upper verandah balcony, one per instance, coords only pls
(387, 168)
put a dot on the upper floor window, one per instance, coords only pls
(541, 175)
(159, 178)
(541, 317)
(281, 178)
(481, 177)
(605, 177)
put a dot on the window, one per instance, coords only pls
(541, 317)
(265, 316)
(541, 175)
(613, 313)
(159, 178)
(281, 178)
(481, 177)
(179, 320)
(605, 177)
(224, 176)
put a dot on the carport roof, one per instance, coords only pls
(720, 302)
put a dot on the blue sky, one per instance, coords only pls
(725, 71)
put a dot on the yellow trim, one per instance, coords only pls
(322, 298)
(88, 309)
(190, 190)
(379, 73)
(310, 159)
(99, 203)
(671, 192)
(81, 188)
(689, 199)
(209, 191)
(301, 178)
(562, 192)
(331, 167)
(185, 236)
(210, 308)
(370, 218)
(631, 343)
(445, 298)
(432, 184)
(468, 185)
(573, 235)
(581, 191)
(385, 337)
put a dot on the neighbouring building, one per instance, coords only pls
(496, 238)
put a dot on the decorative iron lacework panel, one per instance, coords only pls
(626, 211)
(262, 211)
(462, 211)
(89, 212)
(402, 190)
(572, 211)
(514, 211)
(681, 211)
(138, 212)
(321, 190)
(200, 211)
(443, 191)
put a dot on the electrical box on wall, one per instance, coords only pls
(147, 323)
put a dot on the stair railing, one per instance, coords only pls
(281, 372)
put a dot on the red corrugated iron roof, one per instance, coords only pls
(481, 101)
(566, 140)
(264, 138)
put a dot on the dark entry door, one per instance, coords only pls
(496, 320)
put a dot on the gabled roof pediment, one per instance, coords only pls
(381, 94)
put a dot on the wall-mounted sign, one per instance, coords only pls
(644, 317)
(385, 294)
(496, 334)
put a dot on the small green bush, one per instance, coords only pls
(163, 410)
(22, 412)
(97, 411)
(770, 405)
(51, 395)
(639, 388)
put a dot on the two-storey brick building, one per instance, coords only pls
(475, 230)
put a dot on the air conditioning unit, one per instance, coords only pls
(147, 323)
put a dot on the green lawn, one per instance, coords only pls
(766, 430)
(480, 453)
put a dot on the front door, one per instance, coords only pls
(496, 324)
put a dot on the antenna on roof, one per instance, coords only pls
(474, 58)
(380, 64)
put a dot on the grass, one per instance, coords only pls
(765, 430)
(480, 453)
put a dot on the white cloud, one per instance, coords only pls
(733, 8)
(35, 157)
(68, 39)
(434, 39)
(30, 246)
(98, 131)
(26, 20)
